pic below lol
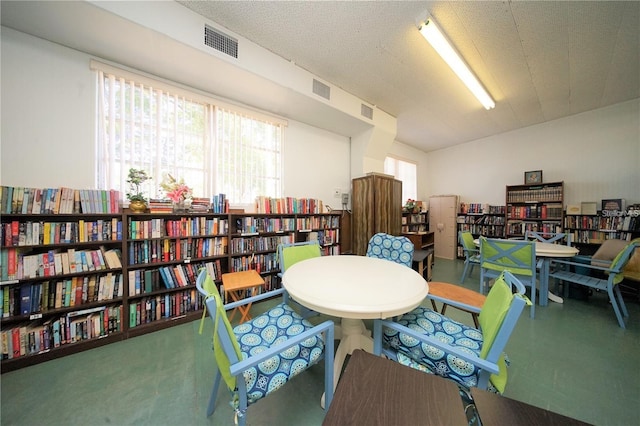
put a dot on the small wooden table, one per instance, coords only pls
(377, 391)
(235, 284)
(458, 294)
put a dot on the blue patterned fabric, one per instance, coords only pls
(430, 359)
(273, 327)
(389, 247)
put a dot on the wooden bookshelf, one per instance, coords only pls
(538, 207)
(158, 257)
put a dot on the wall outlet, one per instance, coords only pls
(345, 198)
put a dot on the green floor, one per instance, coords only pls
(572, 359)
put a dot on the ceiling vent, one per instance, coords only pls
(220, 41)
(321, 89)
(366, 111)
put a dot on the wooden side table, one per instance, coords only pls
(458, 294)
(235, 284)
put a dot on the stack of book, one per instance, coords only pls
(157, 205)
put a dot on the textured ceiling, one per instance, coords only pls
(539, 60)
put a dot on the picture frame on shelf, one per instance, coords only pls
(533, 177)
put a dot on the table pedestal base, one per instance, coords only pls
(353, 335)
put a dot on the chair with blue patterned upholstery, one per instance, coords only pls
(389, 247)
(259, 356)
(431, 342)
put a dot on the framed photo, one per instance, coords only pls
(534, 176)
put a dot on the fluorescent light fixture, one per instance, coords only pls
(432, 33)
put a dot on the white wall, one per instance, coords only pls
(48, 132)
(48, 141)
(596, 154)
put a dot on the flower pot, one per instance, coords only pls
(137, 206)
(180, 206)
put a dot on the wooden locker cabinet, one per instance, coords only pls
(377, 207)
(442, 222)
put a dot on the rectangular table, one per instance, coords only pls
(377, 391)
(497, 410)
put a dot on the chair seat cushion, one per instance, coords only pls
(428, 358)
(273, 327)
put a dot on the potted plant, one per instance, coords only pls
(137, 200)
(178, 192)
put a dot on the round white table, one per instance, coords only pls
(354, 288)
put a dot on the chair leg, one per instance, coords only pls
(214, 393)
(534, 290)
(616, 309)
(464, 271)
(433, 304)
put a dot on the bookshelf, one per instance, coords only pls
(62, 285)
(415, 222)
(481, 219)
(588, 231)
(537, 207)
(148, 286)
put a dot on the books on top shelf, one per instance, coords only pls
(288, 205)
(23, 200)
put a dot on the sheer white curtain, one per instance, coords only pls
(214, 147)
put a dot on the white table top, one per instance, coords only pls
(355, 286)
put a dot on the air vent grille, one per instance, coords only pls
(366, 111)
(321, 89)
(220, 41)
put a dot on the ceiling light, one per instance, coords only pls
(432, 33)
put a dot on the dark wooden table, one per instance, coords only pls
(497, 410)
(376, 391)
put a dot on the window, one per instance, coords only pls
(215, 148)
(405, 172)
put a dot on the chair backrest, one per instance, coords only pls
(389, 247)
(290, 254)
(548, 237)
(498, 317)
(515, 256)
(225, 345)
(466, 241)
(621, 259)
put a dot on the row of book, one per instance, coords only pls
(520, 228)
(39, 297)
(545, 211)
(317, 222)
(610, 223)
(324, 238)
(254, 244)
(541, 194)
(23, 200)
(183, 227)
(259, 262)
(478, 208)
(289, 205)
(482, 220)
(144, 281)
(486, 230)
(33, 233)
(597, 237)
(156, 308)
(255, 225)
(34, 338)
(17, 265)
(166, 250)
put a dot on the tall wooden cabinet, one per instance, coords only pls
(377, 207)
(443, 211)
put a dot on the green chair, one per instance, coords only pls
(260, 356)
(611, 275)
(292, 253)
(515, 256)
(471, 253)
(429, 341)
